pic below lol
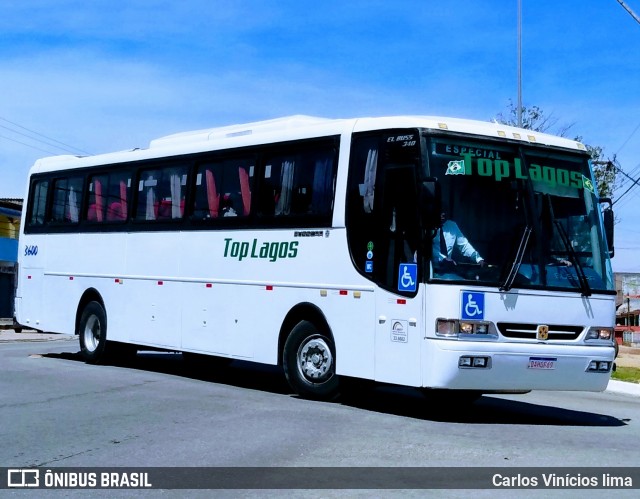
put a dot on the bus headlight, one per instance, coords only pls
(447, 328)
(599, 333)
(452, 328)
(481, 328)
(466, 328)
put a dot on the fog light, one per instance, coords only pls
(470, 362)
(479, 362)
(464, 362)
(600, 366)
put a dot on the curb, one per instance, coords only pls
(624, 387)
(33, 340)
(30, 335)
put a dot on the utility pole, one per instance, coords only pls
(628, 9)
(519, 63)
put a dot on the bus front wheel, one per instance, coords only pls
(309, 362)
(92, 330)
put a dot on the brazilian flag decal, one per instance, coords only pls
(588, 184)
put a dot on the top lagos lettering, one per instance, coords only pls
(502, 169)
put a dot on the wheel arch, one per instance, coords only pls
(91, 294)
(304, 311)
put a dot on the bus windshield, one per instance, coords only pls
(514, 216)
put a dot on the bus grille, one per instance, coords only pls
(529, 331)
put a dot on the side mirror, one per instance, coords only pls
(430, 203)
(608, 219)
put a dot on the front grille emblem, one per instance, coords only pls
(542, 333)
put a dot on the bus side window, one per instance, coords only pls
(38, 202)
(97, 201)
(299, 184)
(147, 206)
(235, 196)
(161, 194)
(268, 192)
(67, 200)
(223, 189)
(283, 185)
(323, 185)
(117, 196)
(206, 199)
(245, 175)
(362, 232)
(172, 191)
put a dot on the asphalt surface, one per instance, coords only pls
(10, 335)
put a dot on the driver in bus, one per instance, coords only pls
(450, 240)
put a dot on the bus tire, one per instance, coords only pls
(92, 331)
(309, 362)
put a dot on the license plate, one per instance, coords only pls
(542, 363)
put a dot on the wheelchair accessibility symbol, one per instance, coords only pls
(408, 277)
(472, 305)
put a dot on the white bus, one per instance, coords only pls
(311, 244)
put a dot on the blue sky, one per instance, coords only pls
(109, 75)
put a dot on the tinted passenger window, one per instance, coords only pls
(300, 183)
(38, 202)
(161, 194)
(67, 200)
(223, 189)
(108, 197)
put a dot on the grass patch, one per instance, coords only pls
(630, 374)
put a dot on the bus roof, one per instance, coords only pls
(299, 127)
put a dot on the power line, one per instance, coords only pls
(633, 184)
(28, 145)
(612, 164)
(628, 138)
(52, 142)
(625, 183)
(36, 140)
(628, 201)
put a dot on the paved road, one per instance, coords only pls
(57, 411)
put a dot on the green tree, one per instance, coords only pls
(534, 118)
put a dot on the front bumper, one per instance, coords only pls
(511, 368)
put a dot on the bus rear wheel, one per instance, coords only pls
(309, 362)
(92, 331)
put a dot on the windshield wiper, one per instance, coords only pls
(517, 260)
(573, 258)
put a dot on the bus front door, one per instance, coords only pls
(398, 303)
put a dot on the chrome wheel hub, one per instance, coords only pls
(315, 360)
(92, 332)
